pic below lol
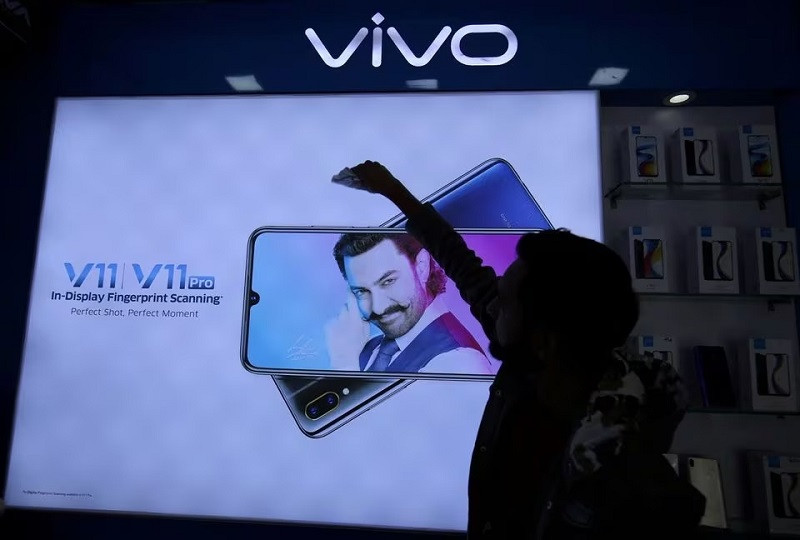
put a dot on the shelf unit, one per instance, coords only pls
(737, 411)
(760, 193)
(705, 319)
(771, 300)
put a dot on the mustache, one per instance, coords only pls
(376, 317)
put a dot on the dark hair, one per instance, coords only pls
(353, 244)
(579, 288)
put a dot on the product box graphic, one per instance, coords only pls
(775, 483)
(695, 155)
(644, 158)
(776, 254)
(661, 348)
(770, 379)
(704, 474)
(758, 155)
(647, 255)
(714, 261)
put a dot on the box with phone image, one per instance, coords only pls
(643, 156)
(647, 256)
(695, 156)
(758, 161)
(775, 483)
(770, 382)
(714, 261)
(776, 255)
(662, 348)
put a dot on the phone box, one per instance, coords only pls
(660, 347)
(775, 482)
(644, 161)
(704, 474)
(714, 264)
(696, 155)
(758, 155)
(770, 383)
(776, 254)
(647, 249)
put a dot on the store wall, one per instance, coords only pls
(188, 48)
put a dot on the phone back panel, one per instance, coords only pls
(489, 196)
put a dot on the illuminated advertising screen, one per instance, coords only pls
(217, 329)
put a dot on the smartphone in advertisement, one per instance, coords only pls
(363, 302)
(699, 157)
(490, 195)
(760, 155)
(646, 156)
(778, 259)
(717, 260)
(649, 258)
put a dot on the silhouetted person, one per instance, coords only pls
(572, 438)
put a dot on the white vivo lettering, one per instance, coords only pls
(511, 49)
(377, 41)
(430, 52)
(377, 47)
(401, 45)
(346, 53)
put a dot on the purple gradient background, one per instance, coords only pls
(301, 288)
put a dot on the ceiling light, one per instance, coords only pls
(679, 98)
(244, 83)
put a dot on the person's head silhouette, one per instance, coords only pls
(566, 299)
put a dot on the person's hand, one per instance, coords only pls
(370, 176)
(346, 335)
(373, 177)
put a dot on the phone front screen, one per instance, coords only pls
(363, 302)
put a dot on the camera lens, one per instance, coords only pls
(254, 298)
(322, 405)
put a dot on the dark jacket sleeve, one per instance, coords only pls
(476, 283)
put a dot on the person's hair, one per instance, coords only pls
(353, 244)
(579, 289)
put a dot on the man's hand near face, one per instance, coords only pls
(346, 335)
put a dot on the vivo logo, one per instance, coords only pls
(408, 54)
